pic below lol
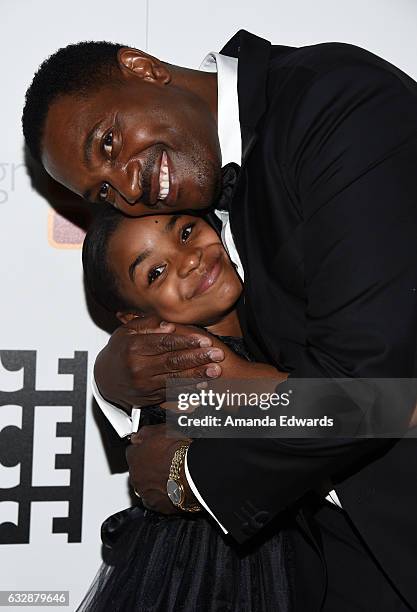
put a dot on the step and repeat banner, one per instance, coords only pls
(61, 474)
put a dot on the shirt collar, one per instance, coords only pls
(227, 105)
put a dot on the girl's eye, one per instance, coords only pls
(155, 273)
(108, 143)
(104, 192)
(186, 231)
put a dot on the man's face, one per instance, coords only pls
(142, 146)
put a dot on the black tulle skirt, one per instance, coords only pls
(156, 563)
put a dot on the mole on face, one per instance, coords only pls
(156, 221)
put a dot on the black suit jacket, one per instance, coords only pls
(324, 217)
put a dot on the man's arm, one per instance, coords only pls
(352, 151)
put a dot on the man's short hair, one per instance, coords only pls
(76, 69)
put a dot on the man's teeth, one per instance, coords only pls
(163, 178)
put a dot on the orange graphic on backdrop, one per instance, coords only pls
(62, 234)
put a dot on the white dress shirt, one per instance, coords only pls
(228, 127)
(231, 151)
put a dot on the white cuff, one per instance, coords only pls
(122, 422)
(197, 494)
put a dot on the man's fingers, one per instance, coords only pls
(206, 372)
(158, 369)
(140, 363)
(186, 381)
(160, 343)
(152, 324)
(173, 342)
(148, 325)
(162, 328)
(183, 361)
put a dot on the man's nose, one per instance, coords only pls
(189, 261)
(127, 181)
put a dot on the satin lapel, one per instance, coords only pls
(252, 78)
(253, 54)
(214, 221)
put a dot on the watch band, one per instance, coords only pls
(175, 475)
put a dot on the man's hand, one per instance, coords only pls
(141, 355)
(234, 366)
(149, 458)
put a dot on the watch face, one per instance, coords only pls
(174, 491)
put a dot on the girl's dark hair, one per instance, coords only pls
(100, 280)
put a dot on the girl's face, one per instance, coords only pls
(173, 266)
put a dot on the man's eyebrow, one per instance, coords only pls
(138, 260)
(88, 143)
(171, 223)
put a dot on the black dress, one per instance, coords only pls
(159, 563)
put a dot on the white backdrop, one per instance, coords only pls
(43, 303)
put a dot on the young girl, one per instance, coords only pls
(175, 266)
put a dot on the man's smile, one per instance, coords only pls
(162, 185)
(163, 177)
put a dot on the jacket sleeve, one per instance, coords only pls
(351, 155)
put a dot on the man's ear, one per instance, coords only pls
(125, 317)
(144, 66)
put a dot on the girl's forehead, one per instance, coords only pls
(155, 226)
(146, 233)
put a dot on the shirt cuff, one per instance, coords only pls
(197, 494)
(122, 422)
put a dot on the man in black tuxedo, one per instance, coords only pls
(324, 216)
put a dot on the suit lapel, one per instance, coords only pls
(253, 54)
(280, 250)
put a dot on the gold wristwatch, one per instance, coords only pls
(175, 488)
